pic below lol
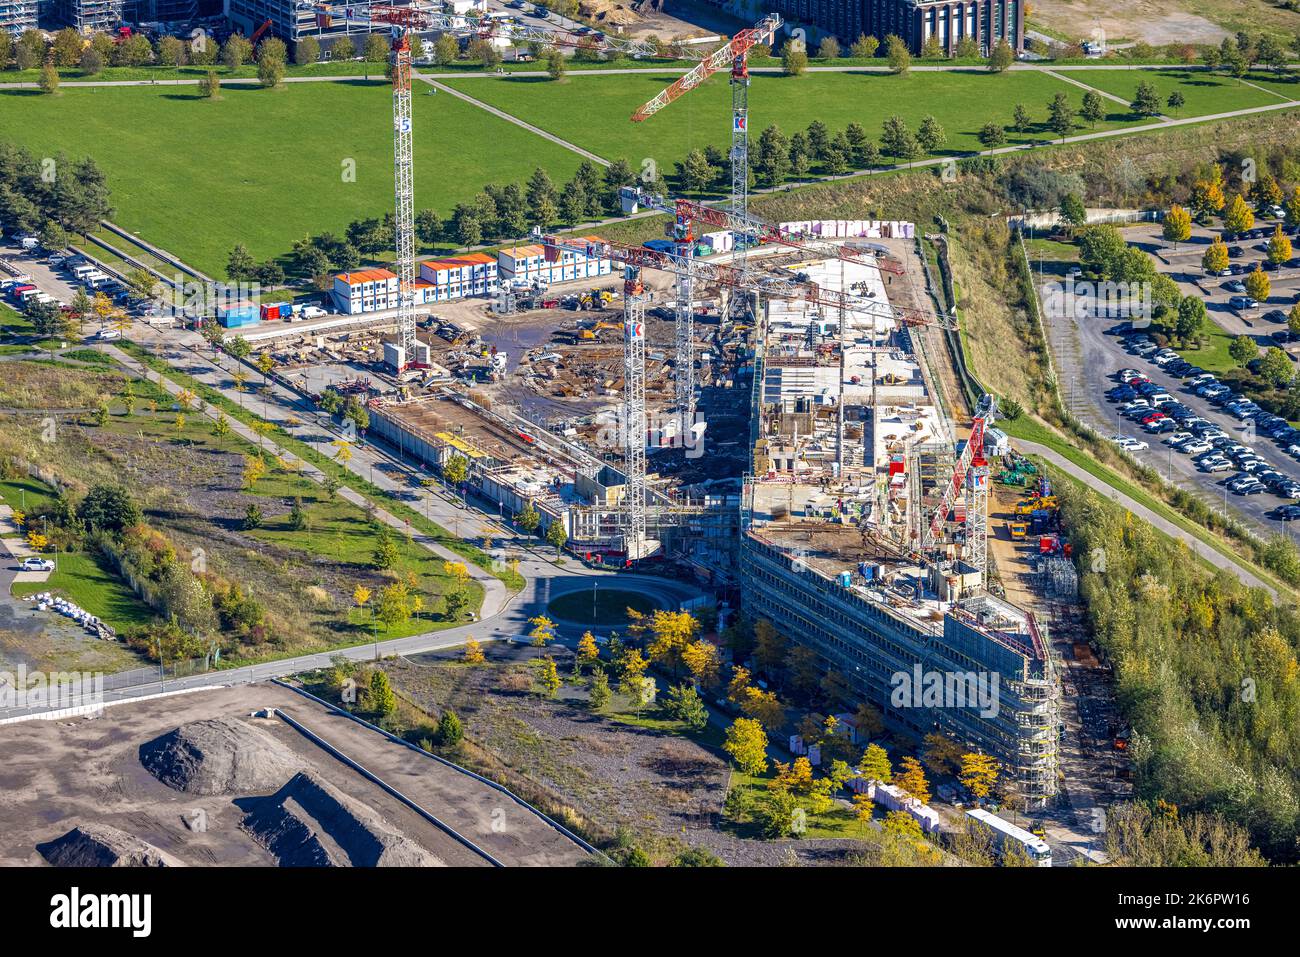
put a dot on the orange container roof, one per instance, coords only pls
(366, 275)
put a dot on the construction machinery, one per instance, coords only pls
(257, 34)
(970, 476)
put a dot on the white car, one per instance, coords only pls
(1130, 445)
(1177, 437)
(34, 564)
(1197, 448)
(311, 312)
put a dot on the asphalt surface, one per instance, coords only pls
(1090, 352)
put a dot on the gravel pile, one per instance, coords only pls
(219, 756)
(310, 823)
(99, 845)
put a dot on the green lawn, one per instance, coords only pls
(265, 167)
(87, 580)
(1212, 355)
(1284, 84)
(1203, 92)
(594, 111)
(26, 494)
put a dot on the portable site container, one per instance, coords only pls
(238, 315)
(276, 310)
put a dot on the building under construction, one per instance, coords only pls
(851, 459)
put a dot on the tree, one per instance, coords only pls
(306, 51)
(1001, 57)
(1275, 367)
(1146, 102)
(874, 765)
(252, 517)
(763, 707)
(746, 742)
(1216, 257)
(375, 49)
(794, 59)
(978, 774)
(992, 135)
(598, 693)
(1177, 227)
(829, 49)
(235, 52)
(898, 55)
(1279, 247)
(528, 519)
(702, 661)
(1191, 320)
(1257, 284)
(1176, 100)
(897, 140)
(1243, 350)
(395, 605)
(547, 677)
(694, 173)
(911, 779)
(386, 554)
(1072, 210)
(556, 536)
(1020, 120)
(1093, 109)
(683, 703)
(343, 49)
(445, 50)
(555, 67)
(1207, 194)
(450, 730)
(772, 157)
(942, 755)
(91, 62)
(1060, 115)
(1239, 216)
(543, 631)
(240, 264)
(171, 51)
(1293, 320)
(456, 470)
(931, 135)
(380, 698)
(864, 47)
(49, 79)
(109, 508)
(270, 73)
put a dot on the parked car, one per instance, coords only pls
(34, 563)
(1242, 302)
(1129, 444)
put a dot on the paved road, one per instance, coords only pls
(1141, 511)
(509, 118)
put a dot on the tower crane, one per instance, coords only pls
(402, 22)
(734, 53)
(634, 259)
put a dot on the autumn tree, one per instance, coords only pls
(1239, 217)
(978, 774)
(547, 677)
(911, 779)
(1279, 247)
(746, 742)
(543, 631)
(874, 765)
(473, 652)
(1177, 226)
(1257, 284)
(1216, 257)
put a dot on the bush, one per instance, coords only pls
(450, 731)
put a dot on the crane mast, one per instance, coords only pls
(403, 192)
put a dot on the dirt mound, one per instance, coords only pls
(98, 845)
(310, 823)
(220, 756)
(604, 11)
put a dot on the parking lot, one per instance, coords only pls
(1093, 350)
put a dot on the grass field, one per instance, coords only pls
(1203, 92)
(594, 112)
(266, 167)
(86, 580)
